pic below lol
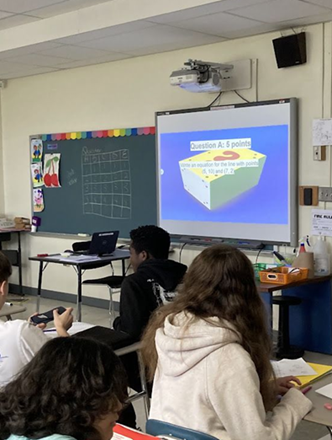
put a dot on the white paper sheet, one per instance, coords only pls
(321, 132)
(325, 391)
(117, 436)
(292, 367)
(321, 222)
(75, 328)
(80, 259)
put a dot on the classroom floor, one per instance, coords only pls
(94, 315)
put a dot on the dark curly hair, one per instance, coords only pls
(67, 386)
(153, 240)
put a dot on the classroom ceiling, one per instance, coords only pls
(40, 36)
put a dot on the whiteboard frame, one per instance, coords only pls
(293, 165)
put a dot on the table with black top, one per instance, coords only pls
(79, 266)
(14, 255)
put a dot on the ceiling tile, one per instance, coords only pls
(173, 46)
(29, 72)
(16, 20)
(4, 14)
(279, 10)
(27, 49)
(154, 36)
(6, 67)
(39, 60)
(217, 24)
(99, 60)
(199, 11)
(305, 21)
(14, 52)
(256, 30)
(64, 7)
(325, 3)
(101, 33)
(19, 6)
(73, 52)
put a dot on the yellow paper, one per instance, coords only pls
(321, 370)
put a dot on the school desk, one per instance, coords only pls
(310, 323)
(7, 311)
(319, 414)
(14, 255)
(79, 266)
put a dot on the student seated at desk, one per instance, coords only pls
(72, 389)
(20, 340)
(209, 353)
(153, 283)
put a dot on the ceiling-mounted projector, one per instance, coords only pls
(200, 76)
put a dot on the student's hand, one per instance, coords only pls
(42, 326)
(284, 384)
(63, 322)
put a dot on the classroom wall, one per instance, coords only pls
(2, 195)
(127, 93)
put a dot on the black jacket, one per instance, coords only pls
(152, 285)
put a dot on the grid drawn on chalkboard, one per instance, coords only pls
(106, 183)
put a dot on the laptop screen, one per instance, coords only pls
(103, 243)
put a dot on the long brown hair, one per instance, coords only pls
(221, 283)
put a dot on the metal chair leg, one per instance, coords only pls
(111, 306)
(136, 347)
(143, 383)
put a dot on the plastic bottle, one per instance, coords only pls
(302, 248)
(322, 258)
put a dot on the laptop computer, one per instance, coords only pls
(102, 243)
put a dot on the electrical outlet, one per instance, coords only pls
(319, 153)
(325, 194)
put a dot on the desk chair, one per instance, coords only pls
(284, 349)
(174, 432)
(113, 282)
(8, 311)
(136, 348)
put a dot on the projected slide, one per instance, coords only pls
(217, 176)
(237, 175)
(229, 172)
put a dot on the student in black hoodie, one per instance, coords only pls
(153, 282)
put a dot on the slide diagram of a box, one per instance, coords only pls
(215, 177)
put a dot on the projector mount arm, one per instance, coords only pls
(205, 67)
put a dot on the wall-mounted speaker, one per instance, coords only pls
(291, 50)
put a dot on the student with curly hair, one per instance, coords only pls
(153, 282)
(73, 388)
(209, 353)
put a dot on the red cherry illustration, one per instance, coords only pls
(48, 179)
(54, 180)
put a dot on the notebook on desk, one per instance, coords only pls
(321, 370)
(121, 432)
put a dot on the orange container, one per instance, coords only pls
(283, 275)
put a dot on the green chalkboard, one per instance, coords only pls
(107, 183)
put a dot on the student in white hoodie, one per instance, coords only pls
(19, 339)
(209, 354)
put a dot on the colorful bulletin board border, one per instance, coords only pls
(119, 132)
